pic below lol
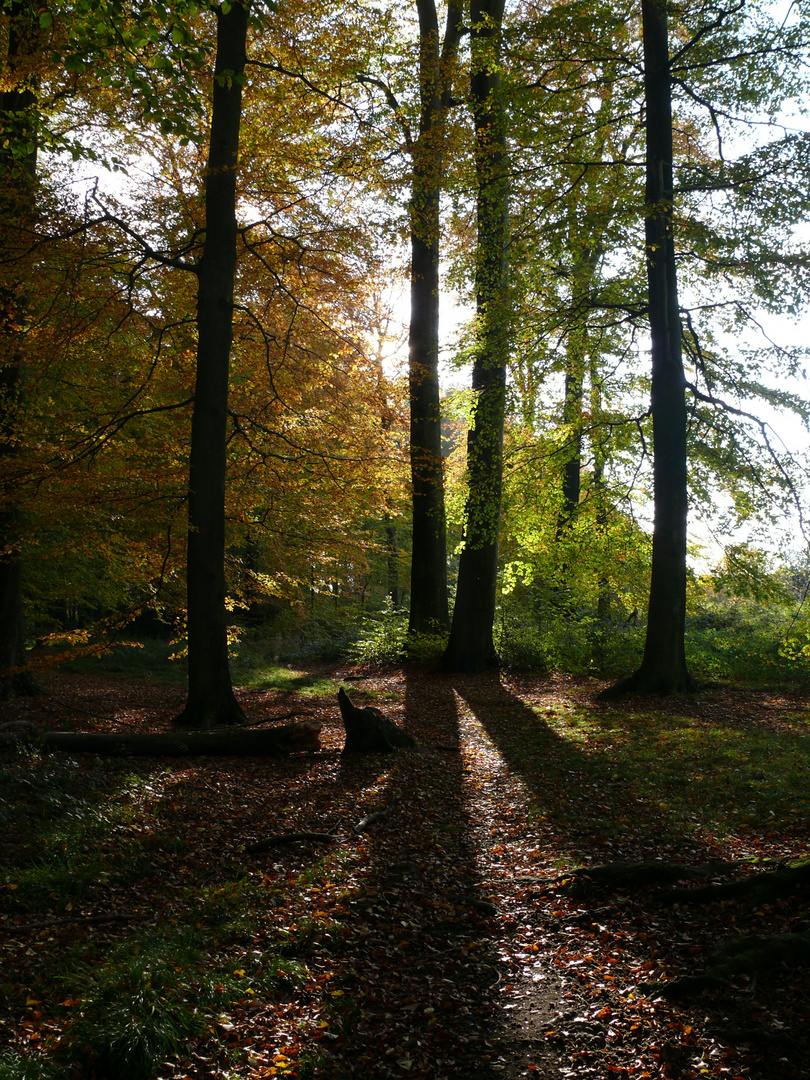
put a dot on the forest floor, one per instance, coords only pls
(461, 931)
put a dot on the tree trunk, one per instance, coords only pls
(471, 646)
(392, 563)
(429, 608)
(230, 742)
(572, 419)
(587, 254)
(18, 166)
(210, 695)
(663, 667)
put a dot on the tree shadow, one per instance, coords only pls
(415, 990)
(609, 785)
(586, 787)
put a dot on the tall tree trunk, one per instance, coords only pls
(572, 419)
(429, 607)
(471, 646)
(210, 695)
(663, 666)
(600, 457)
(586, 259)
(18, 166)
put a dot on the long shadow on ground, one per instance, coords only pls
(589, 804)
(412, 993)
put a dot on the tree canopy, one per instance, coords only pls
(351, 173)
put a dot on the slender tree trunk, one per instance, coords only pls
(572, 419)
(587, 258)
(18, 167)
(429, 607)
(471, 646)
(210, 695)
(392, 563)
(600, 457)
(663, 667)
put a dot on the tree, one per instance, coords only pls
(663, 666)
(571, 455)
(210, 699)
(725, 264)
(18, 165)
(428, 607)
(471, 647)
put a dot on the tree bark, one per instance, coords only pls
(471, 646)
(663, 666)
(18, 166)
(210, 694)
(429, 606)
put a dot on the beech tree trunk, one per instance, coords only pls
(18, 166)
(429, 606)
(471, 646)
(210, 694)
(663, 666)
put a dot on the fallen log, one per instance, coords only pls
(367, 730)
(220, 742)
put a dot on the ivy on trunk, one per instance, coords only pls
(471, 646)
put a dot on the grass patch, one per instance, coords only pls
(17, 1066)
(155, 992)
(259, 674)
(73, 829)
(716, 777)
(122, 1001)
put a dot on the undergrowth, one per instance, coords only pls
(728, 638)
(117, 1011)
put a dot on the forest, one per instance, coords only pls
(429, 376)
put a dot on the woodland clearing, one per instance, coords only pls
(424, 913)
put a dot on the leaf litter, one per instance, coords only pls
(464, 930)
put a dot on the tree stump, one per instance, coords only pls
(368, 731)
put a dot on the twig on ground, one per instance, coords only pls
(377, 815)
